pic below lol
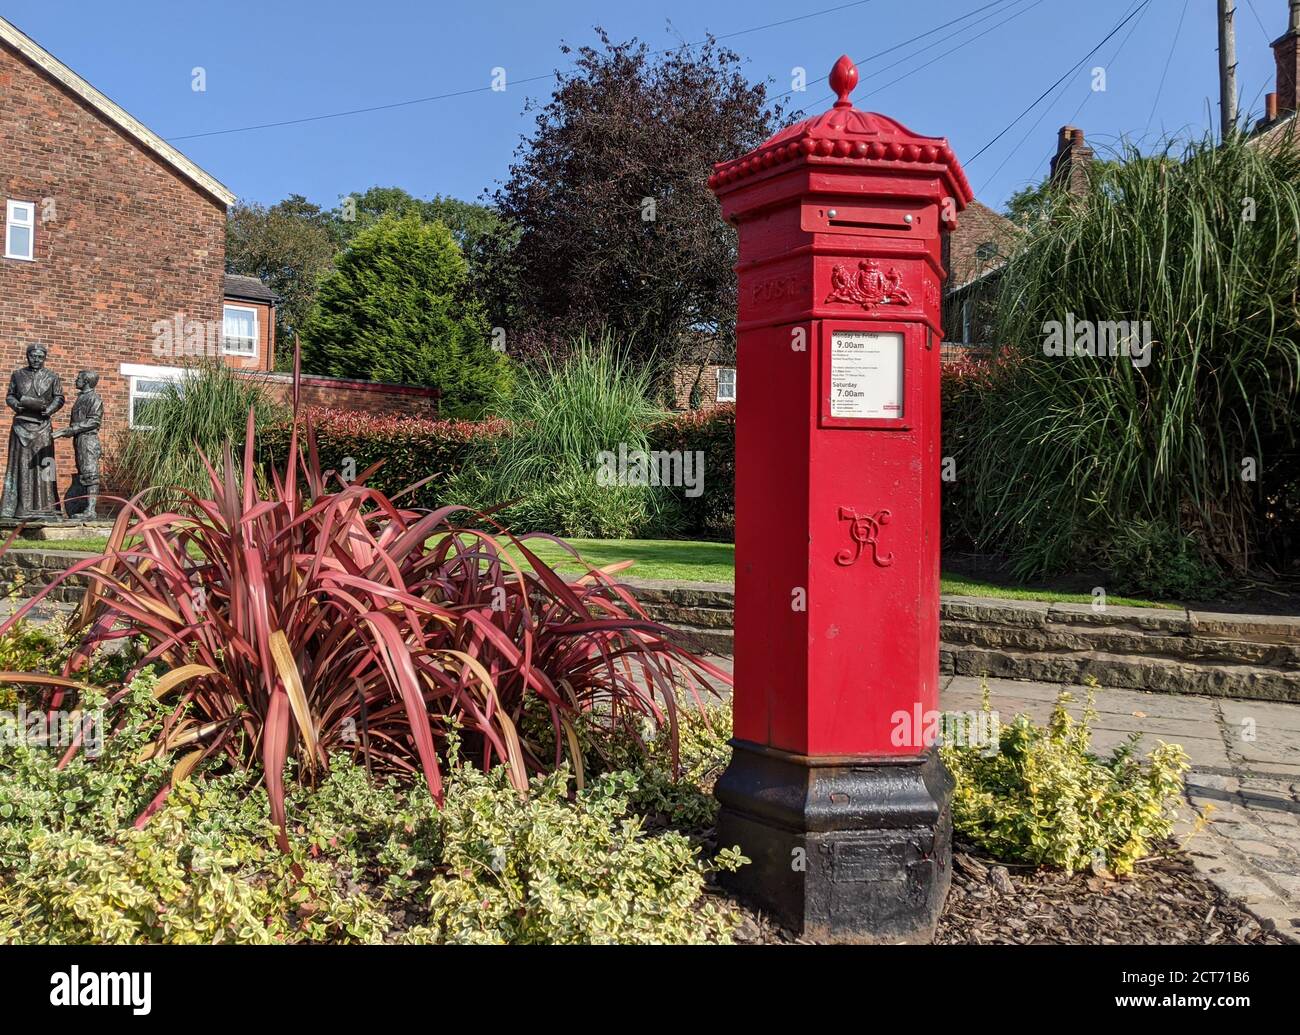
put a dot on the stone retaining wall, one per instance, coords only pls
(1167, 650)
(23, 571)
(1171, 651)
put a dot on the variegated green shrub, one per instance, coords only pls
(370, 860)
(1042, 796)
(549, 871)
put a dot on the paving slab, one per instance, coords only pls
(1241, 821)
(1244, 835)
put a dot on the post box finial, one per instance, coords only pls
(844, 77)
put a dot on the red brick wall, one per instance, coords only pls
(684, 380)
(122, 241)
(365, 396)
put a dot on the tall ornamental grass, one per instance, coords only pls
(185, 422)
(1091, 460)
(565, 413)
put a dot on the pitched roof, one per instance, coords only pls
(250, 289)
(1283, 129)
(978, 226)
(110, 112)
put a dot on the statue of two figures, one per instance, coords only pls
(31, 487)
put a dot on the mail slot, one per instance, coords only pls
(876, 219)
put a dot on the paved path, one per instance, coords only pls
(1244, 783)
(1241, 820)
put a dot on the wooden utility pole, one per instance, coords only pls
(1227, 68)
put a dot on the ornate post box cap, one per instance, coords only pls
(849, 139)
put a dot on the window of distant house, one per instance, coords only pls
(986, 251)
(967, 314)
(145, 393)
(726, 384)
(239, 331)
(20, 229)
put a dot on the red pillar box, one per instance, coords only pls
(831, 790)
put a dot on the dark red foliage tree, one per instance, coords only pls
(616, 225)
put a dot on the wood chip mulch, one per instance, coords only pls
(1164, 902)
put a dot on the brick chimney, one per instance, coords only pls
(1073, 156)
(1286, 52)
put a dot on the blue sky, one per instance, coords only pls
(269, 62)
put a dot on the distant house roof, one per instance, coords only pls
(1283, 128)
(979, 245)
(249, 289)
(110, 112)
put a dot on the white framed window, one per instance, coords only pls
(147, 385)
(726, 384)
(20, 229)
(239, 330)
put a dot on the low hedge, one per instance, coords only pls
(711, 515)
(411, 448)
(962, 386)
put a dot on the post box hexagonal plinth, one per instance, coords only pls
(832, 790)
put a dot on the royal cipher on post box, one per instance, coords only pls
(834, 790)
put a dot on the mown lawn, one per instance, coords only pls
(716, 562)
(682, 560)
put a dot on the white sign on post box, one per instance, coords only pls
(866, 374)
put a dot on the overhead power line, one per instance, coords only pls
(1168, 58)
(913, 39)
(486, 89)
(1114, 57)
(979, 35)
(1073, 68)
(951, 50)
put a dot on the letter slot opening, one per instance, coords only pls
(882, 220)
(865, 224)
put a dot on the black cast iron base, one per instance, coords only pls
(843, 849)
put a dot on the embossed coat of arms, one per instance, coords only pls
(869, 286)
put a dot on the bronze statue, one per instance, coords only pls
(35, 395)
(83, 428)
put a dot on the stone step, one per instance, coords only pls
(651, 592)
(1054, 637)
(700, 639)
(1166, 650)
(1124, 671)
(681, 614)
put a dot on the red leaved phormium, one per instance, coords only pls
(324, 617)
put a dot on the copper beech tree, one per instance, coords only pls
(617, 229)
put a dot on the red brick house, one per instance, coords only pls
(972, 255)
(112, 236)
(115, 249)
(247, 323)
(1281, 107)
(704, 384)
